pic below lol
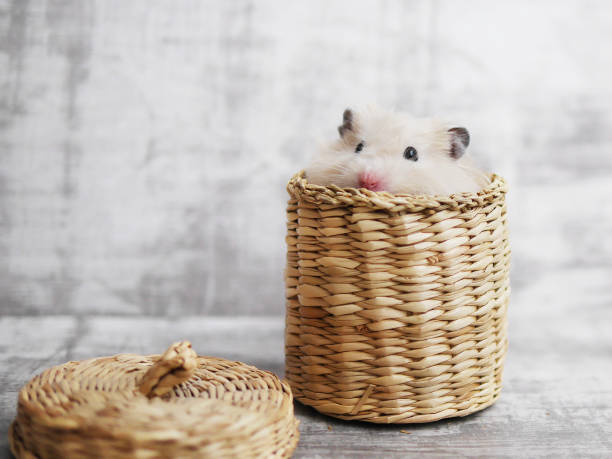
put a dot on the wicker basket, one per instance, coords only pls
(396, 305)
(176, 405)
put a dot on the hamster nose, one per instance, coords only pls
(371, 181)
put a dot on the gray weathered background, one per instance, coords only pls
(145, 145)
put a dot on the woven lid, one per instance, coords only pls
(173, 405)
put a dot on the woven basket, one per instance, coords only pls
(176, 405)
(396, 305)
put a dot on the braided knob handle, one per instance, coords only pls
(174, 366)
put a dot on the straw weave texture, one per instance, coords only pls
(396, 305)
(146, 406)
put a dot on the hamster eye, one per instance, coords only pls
(411, 154)
(359, 146)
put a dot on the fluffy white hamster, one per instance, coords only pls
(398, 153)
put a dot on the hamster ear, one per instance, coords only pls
(347, 122)
(459, 141)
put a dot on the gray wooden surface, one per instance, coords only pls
(145, 144)
(556, 400)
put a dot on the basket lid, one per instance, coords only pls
(174, 405)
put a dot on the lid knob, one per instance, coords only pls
(173, 367)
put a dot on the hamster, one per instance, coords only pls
(385, 151)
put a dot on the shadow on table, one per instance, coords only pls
(304, 411)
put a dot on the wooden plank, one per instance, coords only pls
(556, 401)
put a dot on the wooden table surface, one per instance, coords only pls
(556, 401)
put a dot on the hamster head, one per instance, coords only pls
(398, 153)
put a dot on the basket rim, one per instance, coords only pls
(299, 188)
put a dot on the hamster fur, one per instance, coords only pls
(398, 153)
